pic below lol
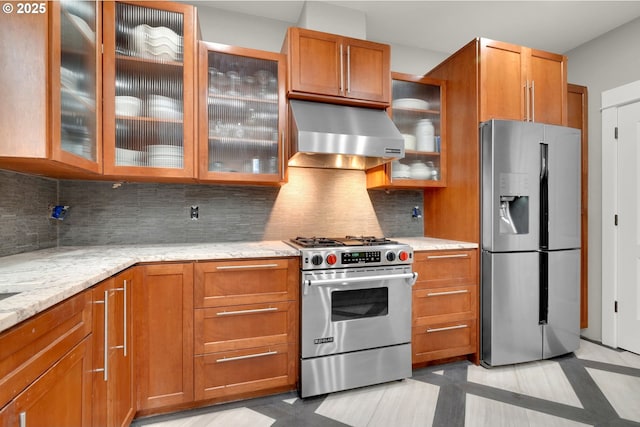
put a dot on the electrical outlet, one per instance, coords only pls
(195, 212)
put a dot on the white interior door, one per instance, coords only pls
(628, 233)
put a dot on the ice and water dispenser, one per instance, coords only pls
(514, 203)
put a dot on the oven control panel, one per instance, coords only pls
(323, 258)
(360, 257)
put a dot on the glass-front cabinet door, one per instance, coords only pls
(417, 110)
(149, 89)
(241, 111)
(76, 75)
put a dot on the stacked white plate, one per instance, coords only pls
(162, 107)
(419, 170)
(128, 106)
(165, 156)
(83, 27)
(412, 103)
(69, 78)
(400, 170)
(156, 42)
(125, 157)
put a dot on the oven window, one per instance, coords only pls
(359, 304)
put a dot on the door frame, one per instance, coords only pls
(611, 100)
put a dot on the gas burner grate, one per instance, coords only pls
(372, 240)
(316, 242)
(326, 242)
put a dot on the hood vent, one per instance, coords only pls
(342, 137)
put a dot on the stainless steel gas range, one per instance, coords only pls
(355, 312)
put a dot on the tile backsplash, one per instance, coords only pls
(313, 202)
(24, 212)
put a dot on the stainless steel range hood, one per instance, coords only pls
(342, 137)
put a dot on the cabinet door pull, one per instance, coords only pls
(106, 335)
(437, 294)
(255, 310)
(526, 101)
(22, 419)
(533, 101)
(448, 328)
(248, 356)
(124, 317)
(341, 70)
(349, 69)
(448, 256)
(282, 156)
(240, 267)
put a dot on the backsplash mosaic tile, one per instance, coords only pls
(24, 211)
(313, 202)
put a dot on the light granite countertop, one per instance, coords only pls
(433, 244)
(44, 278)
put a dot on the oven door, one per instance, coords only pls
(354, 309)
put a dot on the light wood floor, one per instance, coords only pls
(597, 386)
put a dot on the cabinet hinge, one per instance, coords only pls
(615, 219)
(615, 132)
(615, 306)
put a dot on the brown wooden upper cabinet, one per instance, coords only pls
(149, 90)
(418, 111)
(50, 80)
(520, 83)
(348, 70)
(241, 107)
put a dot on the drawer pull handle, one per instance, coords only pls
(448, 328)
(437, 294)
(248, 356)
(255, 310)
(448, 256)
(239, 267)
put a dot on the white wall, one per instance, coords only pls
(604, 63)
(242, 30)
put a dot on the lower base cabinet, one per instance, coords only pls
(60, 397)
(163, 336)
(246, 317)
(445, 305)
(113, 396)
(214, 331)
(45, 367)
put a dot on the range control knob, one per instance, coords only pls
(403, 256)
(316, 259)
(332, 259)
(391, 256)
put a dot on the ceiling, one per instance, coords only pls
(445, 26)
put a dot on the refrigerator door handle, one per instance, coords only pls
(544, 288)
(544, 195)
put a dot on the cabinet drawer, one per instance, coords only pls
(29, 349)
(222, 283)
(245, 371)
(235, 327)
(445, 304)
(441, 340)
(445, 268)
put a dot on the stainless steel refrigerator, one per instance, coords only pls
(530, 214)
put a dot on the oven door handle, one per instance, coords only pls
(344, 281)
